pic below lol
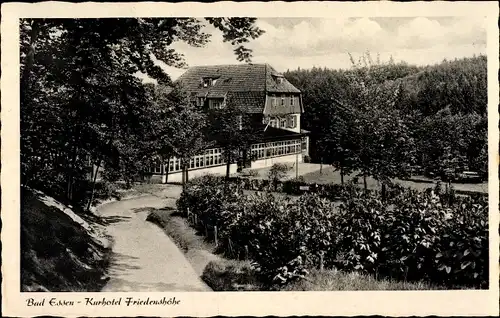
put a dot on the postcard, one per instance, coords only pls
(203, 159)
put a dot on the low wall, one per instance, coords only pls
(177, 176)
(267, 162)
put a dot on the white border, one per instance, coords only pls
(391, 303)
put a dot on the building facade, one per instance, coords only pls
(257, 90)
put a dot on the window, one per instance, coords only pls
(291, 100)
(279, 79)
(273, 149)
(200, 101)
(292, 122)
(240, 122)
(273, 100)
(157, 168)
(283, 123)
(216, 103)
(283, 100)
(207, 82)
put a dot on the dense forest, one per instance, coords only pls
(383, 118)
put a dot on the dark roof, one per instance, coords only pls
(246, 83)
(272, 133)
(236, 78)
(249, 102)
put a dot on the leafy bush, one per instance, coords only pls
(416, 238)
(249, 172)
(277, 172)
(409, 236)
(231, 276)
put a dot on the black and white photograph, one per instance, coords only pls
(264, 154)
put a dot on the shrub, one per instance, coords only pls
(277, 172)
(231, 276)
(408, 236)
(415, 238)
(250, 173)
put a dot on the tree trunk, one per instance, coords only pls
(93, 184)
(341, 175)
(183, 174)
(167, 169)
(384, 191)
(162, 170)
(228, 164)
(186, 167)
(364, 182)
(71, 168)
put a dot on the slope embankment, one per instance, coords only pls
(60, 250)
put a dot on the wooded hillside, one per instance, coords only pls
(381, 118)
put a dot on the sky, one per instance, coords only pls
(289, 43)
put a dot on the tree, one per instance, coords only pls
(453, 141)
(188, 125)
(232, 129)
(384, 146)
(81, 101)
(398, 106)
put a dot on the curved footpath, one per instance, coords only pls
(144, 258)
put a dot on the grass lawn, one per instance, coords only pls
(334, 280)
(197, 251)
(327, 175)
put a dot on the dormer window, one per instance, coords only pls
(216, 103)
(207, 81)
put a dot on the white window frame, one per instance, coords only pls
(240, 122)
(283, 123)
(273, 101)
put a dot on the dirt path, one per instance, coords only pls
(144, 258)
